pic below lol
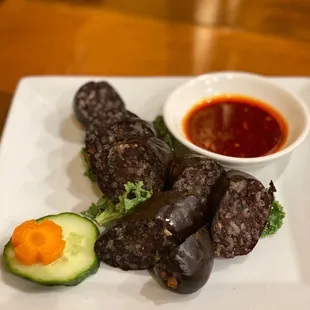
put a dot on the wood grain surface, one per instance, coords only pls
(150, 37)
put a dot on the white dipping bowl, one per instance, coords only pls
(289, 105)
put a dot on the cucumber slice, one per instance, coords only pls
(77, 262)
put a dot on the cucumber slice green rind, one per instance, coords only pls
(77, 279)
(71, 281)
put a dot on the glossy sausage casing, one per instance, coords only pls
(180, 214)
(151, 231)
(187, 268)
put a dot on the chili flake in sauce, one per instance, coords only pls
(236, 126)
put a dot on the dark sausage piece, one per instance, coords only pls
(145, 159)
(195, 174)
(105, 119)
(103, 122)
(93, 98)
(188, 268)
(242, 212)
(98, 140)
(152, 231)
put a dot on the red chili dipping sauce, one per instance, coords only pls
(236, 126)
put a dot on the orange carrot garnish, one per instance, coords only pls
(35, 242)
(172, 283)
(26, 254)
(52, 226)
(19, 232)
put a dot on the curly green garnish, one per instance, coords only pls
(105, 211)
(275, 220)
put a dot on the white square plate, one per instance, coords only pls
(41, 172)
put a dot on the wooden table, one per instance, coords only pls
(150, 37)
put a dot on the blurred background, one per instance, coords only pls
(150, 37)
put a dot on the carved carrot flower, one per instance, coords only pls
(35, 242)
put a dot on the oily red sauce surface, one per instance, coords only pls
(236, 126)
